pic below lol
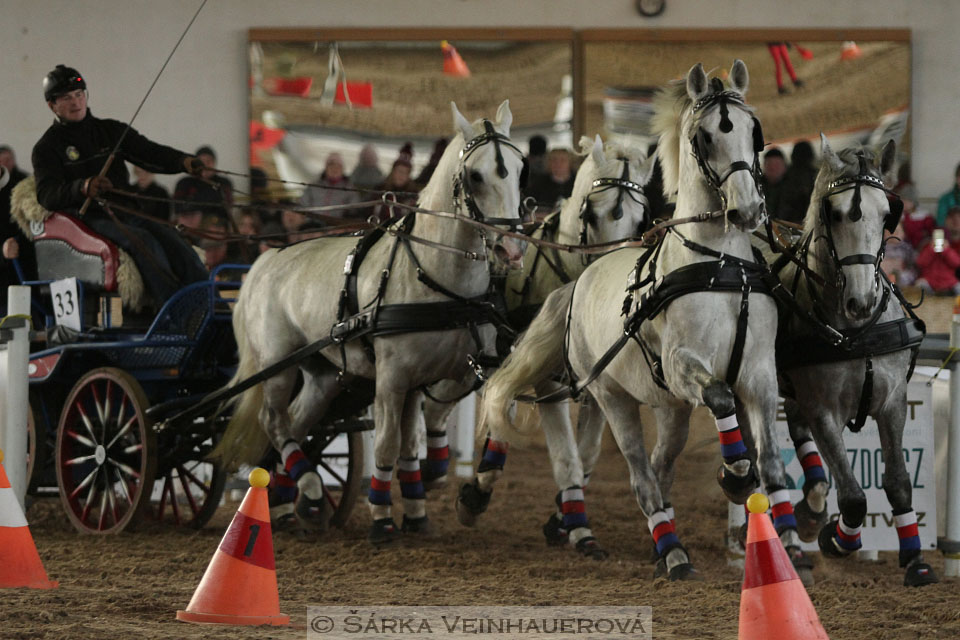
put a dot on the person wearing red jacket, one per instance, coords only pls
(939, 260)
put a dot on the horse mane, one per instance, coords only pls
(437, 195)
(669, 105)
(827, 174)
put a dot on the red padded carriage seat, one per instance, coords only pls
(66, 248)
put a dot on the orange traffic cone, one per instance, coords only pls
(453, 64)
(849, 50)
(20, 565)
(240, 584)
(773, 602)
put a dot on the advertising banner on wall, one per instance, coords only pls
(865, 455)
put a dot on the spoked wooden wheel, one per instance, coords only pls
(33, 453)
(339, 460)
(188, 488)
(106, 452)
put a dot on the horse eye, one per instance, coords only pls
(476, 177)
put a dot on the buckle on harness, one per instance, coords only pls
(343, 330)
(477, 368)
(348, 263)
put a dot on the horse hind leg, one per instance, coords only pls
(690, 379)
(899, 490)
(811, 511)
(434, 469)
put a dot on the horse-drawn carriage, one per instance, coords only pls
(101, 391)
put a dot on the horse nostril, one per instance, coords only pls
(853, 307)
(733, 213)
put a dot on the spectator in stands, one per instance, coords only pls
(774, 170)
(333, 189)
(367, 173)
(950, 199)
(146, 185)
(557, 182)
(940, 258)
(918, 224)
(798, 183)
(537, 155)
(439, 146)
(899, 261)
(399, 182)
(211, 191)
(15, 245)
(250, 225)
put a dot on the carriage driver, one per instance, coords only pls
(67, 162)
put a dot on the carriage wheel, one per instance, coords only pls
(188, 489)
(34, 455)
(339, 459)
(106, 452)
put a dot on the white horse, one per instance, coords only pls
(683, 352)
(290, 299)
(842, 244)
(607, 204)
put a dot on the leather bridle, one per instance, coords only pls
(624, 187)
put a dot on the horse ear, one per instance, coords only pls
(504, 117)
(646, 169)
(596, 152)
(888, 160)
(460, 123)
(696, 82)
(828, 155)
(739, 78)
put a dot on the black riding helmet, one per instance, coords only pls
(62, 80)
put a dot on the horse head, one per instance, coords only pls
(487, 182)
(725, 139)
(611, 182)
(849, 211)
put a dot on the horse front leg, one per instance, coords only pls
(840, 538)
(673, 428)
(689, 378)
(623, 414)
(388, 416)
(759, 408)
(899, 490)
(409, 474)
(811, 511)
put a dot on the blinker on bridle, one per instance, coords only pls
(624, 186)
(461, 186)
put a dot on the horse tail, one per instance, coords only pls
(244, 441)
(537, 355)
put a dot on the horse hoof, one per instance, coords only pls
(684, 572)
(554, 532)
(827, 544)
(383, 531)
(919, 574)
(809, 522)
(590, 548)
(430, 478)
(471, 502)
(416, 525)
(737, 488)
(313, 515)
(802, 564)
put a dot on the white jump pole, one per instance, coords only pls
(465, 435)
(952, 559)
(14, 398)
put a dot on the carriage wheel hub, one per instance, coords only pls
(100, 454)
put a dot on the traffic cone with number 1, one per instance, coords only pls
(240, 584)
(773, 602)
